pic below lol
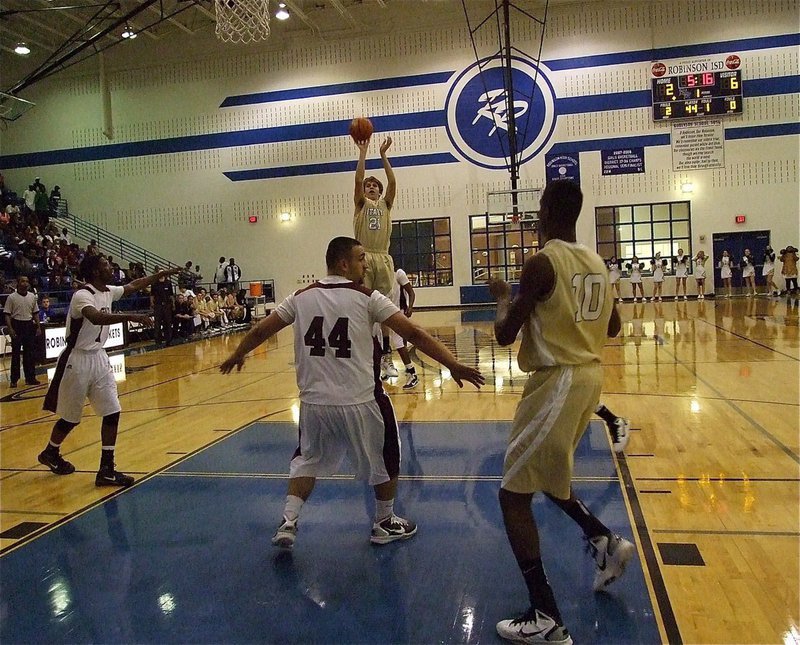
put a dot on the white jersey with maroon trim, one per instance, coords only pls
(82, 334)
(333, 343)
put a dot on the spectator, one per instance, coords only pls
(41, 207)
(45, 311)
(118, 274)
(65, 236)
(212, 302)
(183, 324)
(232, 275)
(92, 248)
(30, 199)
(241, 300)
(219, 274)
(38, 185)
(55, 197)
(234, 310)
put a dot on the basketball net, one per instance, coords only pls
(242, 21)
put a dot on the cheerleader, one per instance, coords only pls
(700, 274)
(749, 272)
(681, 264)
(657, 267)
(769, 272)
(789, 270)
(614, 274)
(635, 271)
(725, 272)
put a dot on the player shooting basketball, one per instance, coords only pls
(372, 225)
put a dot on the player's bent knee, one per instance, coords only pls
(111, 419)
(64, 426)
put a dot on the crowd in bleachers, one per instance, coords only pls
(32, 245)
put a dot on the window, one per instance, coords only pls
(421, 247)
(644, 230)
(499, 246)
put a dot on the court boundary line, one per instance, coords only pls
(667, 614)
(749, 340)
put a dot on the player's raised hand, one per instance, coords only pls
(499, 289)
(387, 142)
(234, 360)
(463, 372)
(362, 145)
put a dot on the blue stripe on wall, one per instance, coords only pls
(682, 51)
(338, 166)
(758, 131)
(430, 119)
(339, 88)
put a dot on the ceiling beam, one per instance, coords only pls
(344, 12)
(303, 16)
(177, 23)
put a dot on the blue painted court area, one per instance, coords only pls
(185, 556)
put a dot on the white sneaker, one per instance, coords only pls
(701, 297)
(620, 434)
(391, 529)
(621, 301)
(411, 380)
(685, 298)
(610, 557)
(534, 626)
(286, 534)
(677, 297)
(388, 370)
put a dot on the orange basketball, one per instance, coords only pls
(361, 129)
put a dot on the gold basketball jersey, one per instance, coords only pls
(571, 326)
(373, 226)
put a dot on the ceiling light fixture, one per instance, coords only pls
(129, 33)
(282, 13)
(22, 49)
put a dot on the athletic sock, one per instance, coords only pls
(575, 508)
(410, 368)
(293, 505)
(386, 348)
(107, 458)
(383, 508)
(52, 448)
(605, 414)
(539, 591)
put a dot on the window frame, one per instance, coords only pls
(520, 241)
(404, 248)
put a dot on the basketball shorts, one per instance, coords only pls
(81, 374)
(550, 419)
(380, 273)
(365, 433)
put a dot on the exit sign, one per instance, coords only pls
(740, 219)
(253, 219)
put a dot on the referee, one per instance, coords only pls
(23, 326)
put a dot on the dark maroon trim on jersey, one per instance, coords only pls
(391, 436)
(51, 398)
(336, 285)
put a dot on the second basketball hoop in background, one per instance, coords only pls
(361, 129)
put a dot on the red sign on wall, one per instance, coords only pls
(253, 219)
(740, 219)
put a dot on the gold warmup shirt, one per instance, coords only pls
(571, 326)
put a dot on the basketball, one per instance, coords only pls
(361, 129)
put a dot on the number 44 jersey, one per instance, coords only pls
(334, 349)
(570, 327)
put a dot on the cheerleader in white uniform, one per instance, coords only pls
(681, 264)
(725, 272)
(657, 267)
(749, 272)
(700, 274)
(769, 272)
(614, 274)
(635, 270)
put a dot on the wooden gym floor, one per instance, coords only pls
(709, 486)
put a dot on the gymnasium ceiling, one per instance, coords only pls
(63, 33)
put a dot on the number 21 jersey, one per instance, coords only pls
(333, 343)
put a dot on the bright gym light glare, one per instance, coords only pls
(22, 49)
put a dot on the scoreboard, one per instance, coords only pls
(689, 96)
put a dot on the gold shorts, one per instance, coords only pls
(550, 419)
(380, 273)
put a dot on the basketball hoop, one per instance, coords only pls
(242, 21)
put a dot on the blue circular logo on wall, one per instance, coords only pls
(477, 115)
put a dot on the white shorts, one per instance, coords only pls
(768, 268)
(680, 271)
(725, 273)
(748, 271)
(366, 433)
(81, 374)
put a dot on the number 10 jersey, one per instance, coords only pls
(570, 327)
(333, 343)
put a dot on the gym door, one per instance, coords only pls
(735, 243)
